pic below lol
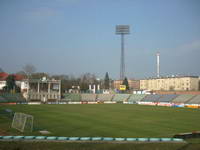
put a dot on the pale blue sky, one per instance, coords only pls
(78, 36)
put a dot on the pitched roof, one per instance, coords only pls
(4, 75)
(18, 77)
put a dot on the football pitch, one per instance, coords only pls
(109, 120)
(106, 120)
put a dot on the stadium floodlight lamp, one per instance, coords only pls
(122, 29)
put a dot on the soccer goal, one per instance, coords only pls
(23, 122)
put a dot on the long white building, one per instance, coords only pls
(176, 83)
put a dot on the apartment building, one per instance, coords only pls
(176, 83)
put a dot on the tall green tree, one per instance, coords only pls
(106, 81)
(10, 83)
(84, 83)
(125, 82)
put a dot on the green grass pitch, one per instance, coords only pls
(108, 120)
(105, 120)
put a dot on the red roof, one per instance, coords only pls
(18, 77)
(4, 75)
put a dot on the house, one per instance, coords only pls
(18, 79)
(3, 77)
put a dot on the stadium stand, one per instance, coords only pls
(151, 98)
(8, 98)
(167, 98)
(121, 97)
(88, 97)
(136, 97)
(72, 97)
(182, 98)
(104, 97)
(194, 100)
(2, 99)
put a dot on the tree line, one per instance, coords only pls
(67, 81)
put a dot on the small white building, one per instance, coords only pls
(41, 89)
(2, 84)
(3, 77)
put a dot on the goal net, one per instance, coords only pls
(23, 122)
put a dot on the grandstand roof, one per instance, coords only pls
(42, 81)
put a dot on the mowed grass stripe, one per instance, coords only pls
(111, 120)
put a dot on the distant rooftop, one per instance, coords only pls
(4, 75)
(43, 80)
(173, 76)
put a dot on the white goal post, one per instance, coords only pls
(22, 122)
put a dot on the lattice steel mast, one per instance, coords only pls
(122, 30)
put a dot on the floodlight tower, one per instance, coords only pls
(122, 30)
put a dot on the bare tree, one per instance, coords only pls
(39, 75)
(21, 72)
(29, 69)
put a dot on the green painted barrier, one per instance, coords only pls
(108, 139)
(143, 139)
(62, 138)
(7, 137)
(85, 138)
(166, 139)
(177, 140)
(131, 139)
(40, 137)
(91, 138)
(154, 139)
(74, 138)
(51, 138)
(119, 139)
(18, 137)
(96, 138)
(29, 137)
